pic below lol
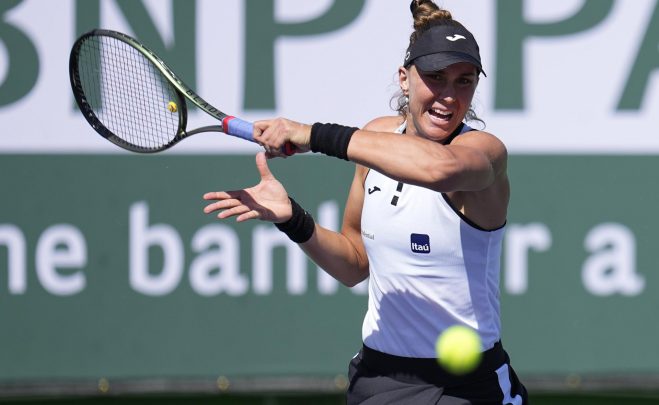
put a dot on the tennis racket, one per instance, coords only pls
(134, 100)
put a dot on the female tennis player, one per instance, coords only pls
(424, 221)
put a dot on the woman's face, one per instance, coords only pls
(438, 101)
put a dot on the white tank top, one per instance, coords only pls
(429, 269)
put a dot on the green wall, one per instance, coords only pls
(556, 325)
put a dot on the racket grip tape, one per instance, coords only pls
(244, 129)
(237, 127)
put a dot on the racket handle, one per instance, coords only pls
(289, 149)
(237, 127)
(244, 129)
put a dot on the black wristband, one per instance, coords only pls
(300, 227)
(331, 139)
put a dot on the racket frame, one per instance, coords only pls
(230, 125)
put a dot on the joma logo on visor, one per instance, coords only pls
(455, 37)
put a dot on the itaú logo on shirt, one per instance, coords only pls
(420, 243)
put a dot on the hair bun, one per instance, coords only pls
(414, 5)
(426, 10)
(417, 3)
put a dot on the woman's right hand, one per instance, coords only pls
(267, 201)
(274, 134)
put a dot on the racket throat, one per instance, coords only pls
(210, 128)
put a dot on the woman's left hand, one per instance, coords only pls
(267, 201)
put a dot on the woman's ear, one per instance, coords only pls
(403, 80)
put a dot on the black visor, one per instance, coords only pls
(442, 46)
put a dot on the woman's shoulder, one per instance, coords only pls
(475, 137)
(385, 124)
(488, 143)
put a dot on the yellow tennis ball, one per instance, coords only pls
(459, 349)
(172, 107)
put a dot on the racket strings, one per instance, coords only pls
(128, 94)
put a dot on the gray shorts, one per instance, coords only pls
(378, 378)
